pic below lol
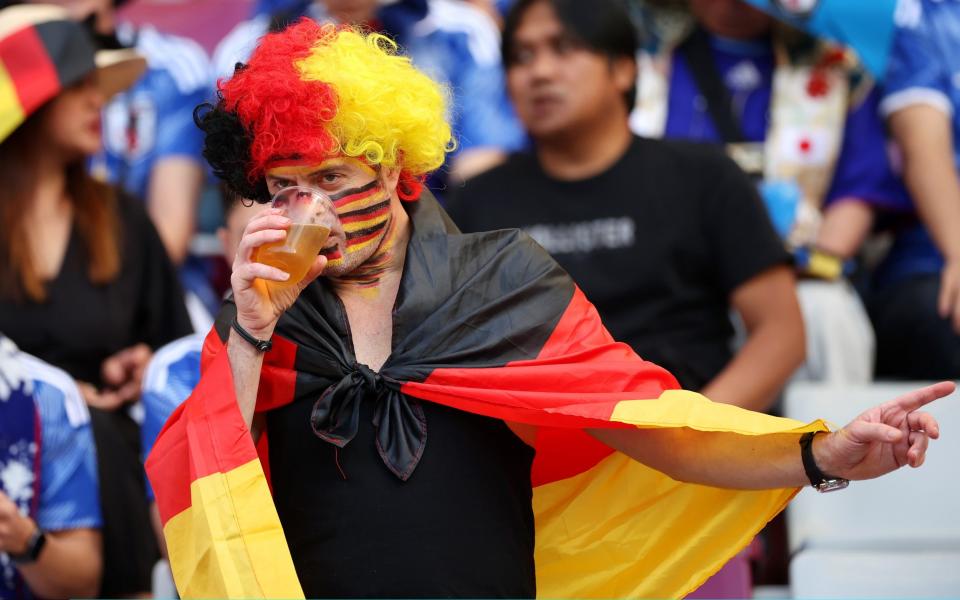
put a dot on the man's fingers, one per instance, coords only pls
(252, 241)
(865, 432)
(266, 221)
(251, 271)
(112, 371)
(921, 421)
(315, 270)
(918, 448)
(911, 401)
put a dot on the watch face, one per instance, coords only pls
(831, 485)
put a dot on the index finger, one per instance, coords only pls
(916, 399)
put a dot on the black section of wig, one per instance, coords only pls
(226, 146)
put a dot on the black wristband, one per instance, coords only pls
(260, 345)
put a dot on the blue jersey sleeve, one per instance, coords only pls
(863, 170)
(69, 493)
(177, 134)
(916, 73)
(485, 117)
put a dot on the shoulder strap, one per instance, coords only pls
(699, 57)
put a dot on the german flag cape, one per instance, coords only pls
(489, 324)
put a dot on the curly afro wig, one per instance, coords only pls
(313, 91)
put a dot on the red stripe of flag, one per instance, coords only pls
(33, 74)
(206, 434)
(576, 381)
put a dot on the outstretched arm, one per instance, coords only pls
(877, 442)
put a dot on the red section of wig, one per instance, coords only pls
(284, 113)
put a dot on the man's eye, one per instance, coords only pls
(522, 56)
(331, 177)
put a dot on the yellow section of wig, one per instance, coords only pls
(389, 113)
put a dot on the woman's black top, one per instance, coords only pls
(461, 526)
(81, 324)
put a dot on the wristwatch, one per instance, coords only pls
(34, 546)
(818, 479)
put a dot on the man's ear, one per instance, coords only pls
(624, 72)
(390, 177)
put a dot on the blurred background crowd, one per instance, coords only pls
(754, 194)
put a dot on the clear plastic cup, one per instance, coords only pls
(313, 217)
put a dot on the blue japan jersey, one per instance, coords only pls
(863, 168)
(924, 65)
(153, 120)
(924, 68)
(69, 493)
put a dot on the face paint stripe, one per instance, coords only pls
(352, 221)
(363, 233)
(365, 212)
(362, 202)
(360, 245)
(362, 225)
(345, 194)
(293, 165)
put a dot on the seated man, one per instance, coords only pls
(428, 394)
(49, 506)
(665, 238)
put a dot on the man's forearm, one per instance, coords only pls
(846, 224)
(245, 364)
(925, 138)
(726, 460)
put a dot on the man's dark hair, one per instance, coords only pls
(602, 26)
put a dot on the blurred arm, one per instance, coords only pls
(775, 344)
(172, 199)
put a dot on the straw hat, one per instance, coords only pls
(43, 52)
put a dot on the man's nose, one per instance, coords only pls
(544, 65)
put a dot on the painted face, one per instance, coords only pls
(362, 202)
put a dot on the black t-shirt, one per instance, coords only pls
(658, 243)
(461, 526)
(81, 324)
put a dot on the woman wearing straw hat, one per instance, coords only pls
(85, 283)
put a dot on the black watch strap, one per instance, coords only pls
(818, 479)
(34, 546)
(261, 345)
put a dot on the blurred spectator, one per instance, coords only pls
(799, 115)
(174, 369)
(450, 40)
(86, 283)
(151, 146)
(49, 514)
(663, 237)
(916, 302)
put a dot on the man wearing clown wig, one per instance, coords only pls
(430, 413)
